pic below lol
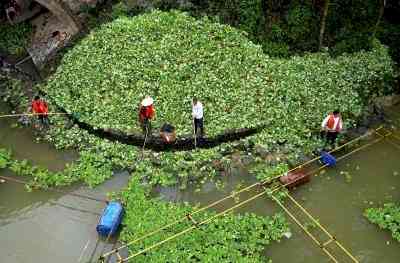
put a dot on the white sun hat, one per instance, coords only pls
(147, 101)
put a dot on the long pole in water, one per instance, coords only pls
(31, 114)
(194, 134)
(55, 190)
(145, 139)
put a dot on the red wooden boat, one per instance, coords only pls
(295, 178)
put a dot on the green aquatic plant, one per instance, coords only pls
(5, 158)
(91, 168)
(165, 54)
(173, 53)
(14, 38)
(230, 238)
(386, 217)
(264, 172)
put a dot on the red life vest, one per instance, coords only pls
(331, 123)
(146, 112)
(39, 106)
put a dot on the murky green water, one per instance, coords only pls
(23, 143)
(46, 226)
(336, 201)
(50, 227)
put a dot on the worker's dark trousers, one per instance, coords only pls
(198, 124)
(331, 137)
(44, 120)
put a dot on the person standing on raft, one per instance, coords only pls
(197, 114)
(146, 114)
(39, 107)
(332, 125)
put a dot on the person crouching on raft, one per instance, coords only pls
(167, 133)
(146, 114)
(40, 108)
(332, 125)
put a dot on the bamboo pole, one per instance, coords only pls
(305, 230)
(222, 213)
(31, 114)
(194, 227)
(245, 189)
(194, 133)
(322, 227)
(55, 190)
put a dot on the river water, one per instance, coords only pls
(45, 226)
(52, 227)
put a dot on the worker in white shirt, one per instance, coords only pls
(197, 114)
(332, 125)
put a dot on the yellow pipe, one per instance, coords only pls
(158, 244)
(360, 148)
(394, 144)
(395, 136)
(304, 229)
(232, 195)
(193, 227)
(309, 215)
(297, 221)
(328, 242)
(322, 227)
(346, 251)
(141, 238)
(330, 255)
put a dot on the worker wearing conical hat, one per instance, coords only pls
(332, 125)
(146, 114)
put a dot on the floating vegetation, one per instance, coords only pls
(230, 238)
(386, 217)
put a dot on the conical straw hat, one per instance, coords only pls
(147, 101)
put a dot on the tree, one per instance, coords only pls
(381, 11)
(323, 23)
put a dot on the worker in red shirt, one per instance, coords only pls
(41, 108)
(146, 114)
(332, 125)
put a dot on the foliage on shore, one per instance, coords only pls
(386, 217)
(230, 238)
(13, 38)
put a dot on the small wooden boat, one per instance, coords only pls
(295, 178)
